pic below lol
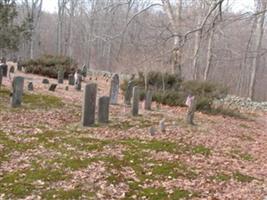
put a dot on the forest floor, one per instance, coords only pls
(46, 154)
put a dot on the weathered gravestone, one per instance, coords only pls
(52, 87)
(19, 66)
(17, 91)
(78, 81)
(114, 89)
(103, 109)
(136, 98)
(84, 70)
(60, 77)
(89, 104)
(1, 76)
(45, 81)
(71, 79)
(30, 86)
(4, 68)
(148, 100)
(128, 93)
(162, 126)
(191, 103)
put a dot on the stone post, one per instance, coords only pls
(103, 109)
(89, 104)
(136, 98)
(128, 93)
(60, 77)
(17, 91)
(114, 89)
(71, 79)
(148, 100)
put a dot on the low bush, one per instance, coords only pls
(49, 66)
(169, 90)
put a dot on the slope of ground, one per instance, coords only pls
(46, 154)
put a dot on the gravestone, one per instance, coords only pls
(84, 71)
(52, 87)
(60, 77)
(89, 104)
(45, 81)
(152, 131)
(67, 88)
(4, 68)
(71, 79)
(103, 109)
(1, 76)
(128, 93)
(148, 100)
(114, 89)
(191, 103)
(17, 91)
(78, 81)
(19, 66)
(136, 98)
(30, 86)
(162, 126)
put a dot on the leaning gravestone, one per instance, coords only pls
(17, 91)
(103, 109)
(114, 89)
(30, 86)
(89, 104)
(136, 98)
(45, 81)
(148, 100)
(71, 79)
(60, 77)
(1, 76)
(128, 93)
(4, 68)
(52, 87)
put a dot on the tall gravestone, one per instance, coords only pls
(17, 91)
(1, 76)
(136, 98)
(4, 69)
(148, 100)
(89, 104)
(114, 89)
(128, 93)
(30, 86)
(71, 79)
(103, 109)
(60, 77)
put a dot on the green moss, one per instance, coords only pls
(66, 194)
(40, 101)
(181, 194)
(221, 177)
(200, 149)
(242, 177)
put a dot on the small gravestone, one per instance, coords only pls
(17, 91)
(152, 131)
(60, 77)
(30, 86)
(4, 69)
(128, 93)
(71, 79)
(136, 98)
(67, 88)
(148, 100)
(162, 126)
(78, 81)
(89, 104)
(114, 89)
(19, 66)
(103, 109)
(1, 76)
(45, 81)
(84, 71)
(78, 86)
(52, 87)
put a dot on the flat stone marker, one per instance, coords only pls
(128, 93)
(89, 105)
(71, 79)
(103, 109)
(60, 77)
(1, 76)
(52, 87)
(4, 68)
(17, 91)
(136, 98)
(114, 89)
(45, 81)
(30, 86)
(148, 100)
